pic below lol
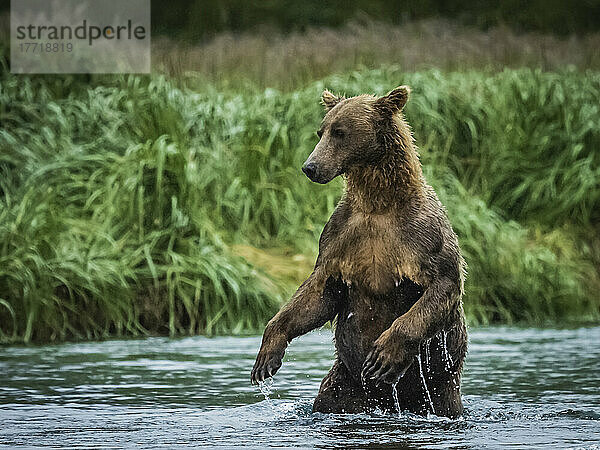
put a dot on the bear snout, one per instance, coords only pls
(310, 170)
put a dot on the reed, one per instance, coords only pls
(291, 60)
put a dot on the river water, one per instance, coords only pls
(522, 388)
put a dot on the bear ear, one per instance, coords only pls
(328, 100)
(395, 100)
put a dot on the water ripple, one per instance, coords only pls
(523, 388)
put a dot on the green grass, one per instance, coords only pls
(133, 205)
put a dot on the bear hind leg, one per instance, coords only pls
(340, 393)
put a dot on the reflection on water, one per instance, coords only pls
(522, 388)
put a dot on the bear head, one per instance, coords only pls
(353, 133)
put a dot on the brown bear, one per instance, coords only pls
(389, 271)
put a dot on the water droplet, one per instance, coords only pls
(395, 395)
(448, 358)
(427, 343)
(425, 383)
(266, 388)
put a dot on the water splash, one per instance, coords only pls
(266, 389)
(395, 396)
(447, 358)
(425, 384)
(426, 344)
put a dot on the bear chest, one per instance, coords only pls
(371, 251)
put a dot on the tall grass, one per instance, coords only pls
(132, 204)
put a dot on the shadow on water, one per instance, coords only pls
(522, 388)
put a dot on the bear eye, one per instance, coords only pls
(320, 133)
(338, 133)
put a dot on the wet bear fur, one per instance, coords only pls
(389, 271)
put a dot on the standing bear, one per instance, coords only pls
(389, 271)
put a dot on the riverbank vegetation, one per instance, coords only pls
(174, 203)
(294, 59)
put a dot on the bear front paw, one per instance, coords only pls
(267, 362)
(388, 361)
